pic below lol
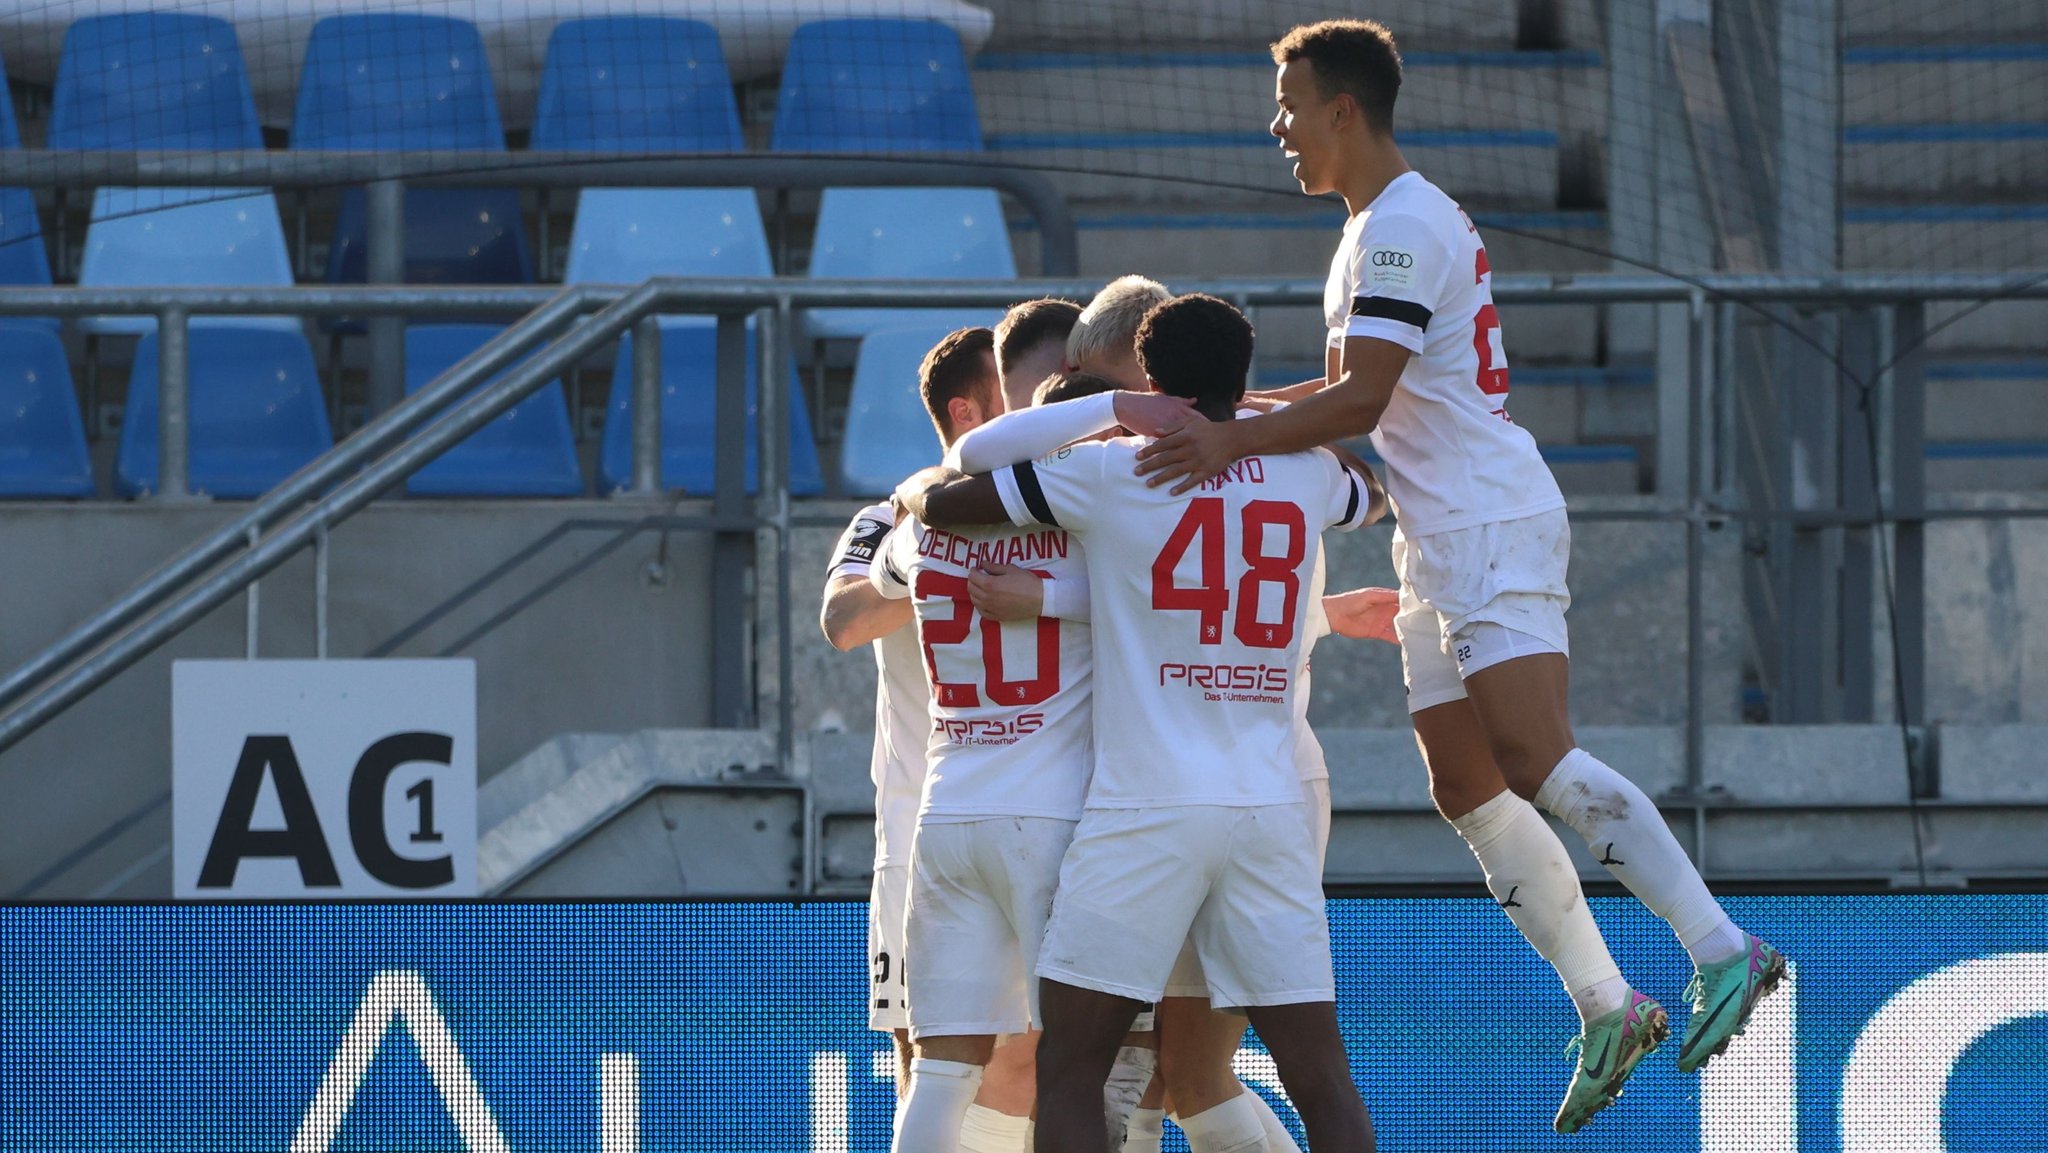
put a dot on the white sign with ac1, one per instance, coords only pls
(323, 778)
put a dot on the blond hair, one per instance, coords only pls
(1108, 327)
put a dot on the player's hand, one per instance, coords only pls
(1200, 450)
(1153, 413)
(1005, 592)
(1364, 614)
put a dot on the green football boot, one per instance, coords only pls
(1723, 996)
(1608, 1051)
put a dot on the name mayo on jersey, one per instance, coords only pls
(1020, 549)
(1250, 470)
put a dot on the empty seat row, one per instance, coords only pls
(391, 81)
(256, 414)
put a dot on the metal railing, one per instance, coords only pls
(340, 483)
(386, 175)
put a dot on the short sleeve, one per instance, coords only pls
(1399, 270)
(894, 560)
(1058, 489)
(1350, 501)
(855, 550)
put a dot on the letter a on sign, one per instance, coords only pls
(400, 995)
(300, 838)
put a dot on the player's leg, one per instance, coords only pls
(1083, 1029)
(968, 993)
(1264, 942)
(999, 1121)
(1196, 1044)
(1308, 1051)
(1521, 706)
(1501, 592)
(1129, 888)
(1527, 869)
(888, 1001)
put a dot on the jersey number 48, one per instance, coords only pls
(1202, 528)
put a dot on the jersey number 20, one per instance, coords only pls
(1201, 527)
(956, 629)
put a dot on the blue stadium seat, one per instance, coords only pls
(402, 81)
(42, 441)
(152, 80)
(889, 434)
(688, 421)
(257, 415)
(890, 86)
(23, 263)
(876, 86)
(634, 84)
(527, 451)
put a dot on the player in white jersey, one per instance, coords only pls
(1197, 1044)
(1195, 823)
(1415, 358)
(1006, 770)
(963, 367)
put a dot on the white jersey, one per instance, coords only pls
(1010, 719)
(1411, 270)
(901, 702)
(1201, 606)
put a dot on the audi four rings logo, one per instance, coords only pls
(1385, 259)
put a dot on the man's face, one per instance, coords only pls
(1303, 126)
(1028, 371)
(1122, 371)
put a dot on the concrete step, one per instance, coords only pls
(1987, 400)
(1988, 466)
(1946, 237)
(1232, 91)
(1918, 83)
(1504, 169)
(1960, 21)
(1232, 24)
(2007, 159)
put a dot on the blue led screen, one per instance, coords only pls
(1913, 1024)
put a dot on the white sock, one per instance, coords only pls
(1128, 1079)
(1532, 878)
(984, 1130)
(1628, 835)
(1232, 1127)
(932, 1112)
(1146, 1130)
(1278, 1139)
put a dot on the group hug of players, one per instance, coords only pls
(1101, 813)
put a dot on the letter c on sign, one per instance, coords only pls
(1898, 1072)
(366, 810)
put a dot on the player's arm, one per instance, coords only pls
(1030, 433)
(1288, 394)
(1350, 406)
(1377, 505)
(853, 612)
(1364, 614)
(1005, 592)
(947, 498)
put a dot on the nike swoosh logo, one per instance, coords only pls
(1598, 1071)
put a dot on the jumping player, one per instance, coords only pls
(1415, 358)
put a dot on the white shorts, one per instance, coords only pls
(980, 893)
(1474, 597)
(1241, 882)
(888, 899)
(1187, 978)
